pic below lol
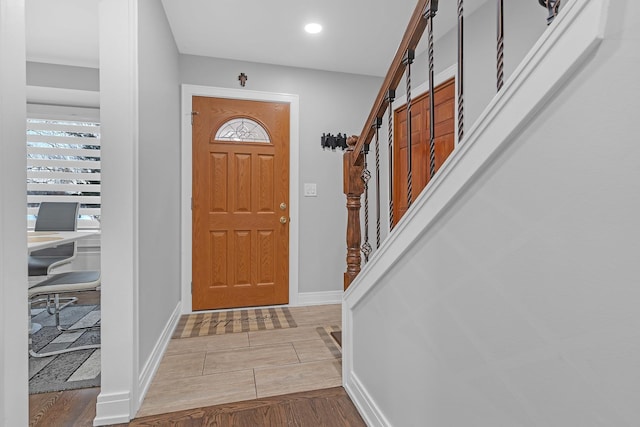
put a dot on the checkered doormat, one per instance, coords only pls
(226, 322)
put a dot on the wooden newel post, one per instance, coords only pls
(353, 189)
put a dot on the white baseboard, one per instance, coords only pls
(112, 409)
(116, 408)
(317, 298)
(150, 368)
(367, 408)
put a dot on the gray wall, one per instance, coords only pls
(63, 76)
(159, 174)
(329, 102)
(520, 306)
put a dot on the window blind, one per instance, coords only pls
(63, 165)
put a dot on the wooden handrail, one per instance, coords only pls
(410, 40)
(355, 170)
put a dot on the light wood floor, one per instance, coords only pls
(221, 369)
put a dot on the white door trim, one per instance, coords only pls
(14, 403)
(189, 91)
(120, 243)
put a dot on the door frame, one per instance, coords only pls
(189, 91)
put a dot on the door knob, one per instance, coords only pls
(283, 206)
(283, 220)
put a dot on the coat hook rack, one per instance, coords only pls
(332, 142)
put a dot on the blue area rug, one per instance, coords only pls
(69, 371)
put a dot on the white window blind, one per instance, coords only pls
(63, 165)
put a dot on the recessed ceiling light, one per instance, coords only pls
(313, 28)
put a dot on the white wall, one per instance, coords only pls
(140, 190)
(119, 215)
(159, 174)
(518, 304)
(329, 102)
(13, 261)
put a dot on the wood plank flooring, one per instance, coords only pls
(319, 408)
(63, 408)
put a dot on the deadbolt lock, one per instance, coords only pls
(283, 206)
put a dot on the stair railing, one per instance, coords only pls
(355, 166)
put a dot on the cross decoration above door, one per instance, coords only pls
(243, 79)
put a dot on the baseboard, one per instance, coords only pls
(112, 409)
(150, 368)
(317, 298)
(367, 408)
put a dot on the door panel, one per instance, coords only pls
(420, 129)
(266, 178)
(240, 246)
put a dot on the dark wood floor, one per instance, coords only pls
(320, 408)
(63, 408)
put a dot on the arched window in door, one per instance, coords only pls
(242, 130)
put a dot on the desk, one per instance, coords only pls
(37, 240)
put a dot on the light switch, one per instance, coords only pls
(310, 190)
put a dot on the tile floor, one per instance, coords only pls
(211, 370)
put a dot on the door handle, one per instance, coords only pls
(283, 220)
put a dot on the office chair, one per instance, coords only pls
(61, 283)
(54, 216)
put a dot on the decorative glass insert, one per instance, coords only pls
(242, 129)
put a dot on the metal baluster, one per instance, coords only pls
(366, 176)
(500, 55)
(391, 95)
(430, 13)
(408, 60)
(377, 125)
(552, 6)
(460, 71)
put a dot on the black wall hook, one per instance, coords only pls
(330, 141)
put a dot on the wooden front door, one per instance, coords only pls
(444, 143)
(240, 203)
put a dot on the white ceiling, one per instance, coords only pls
(359, 36)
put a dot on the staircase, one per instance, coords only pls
(508, 293)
